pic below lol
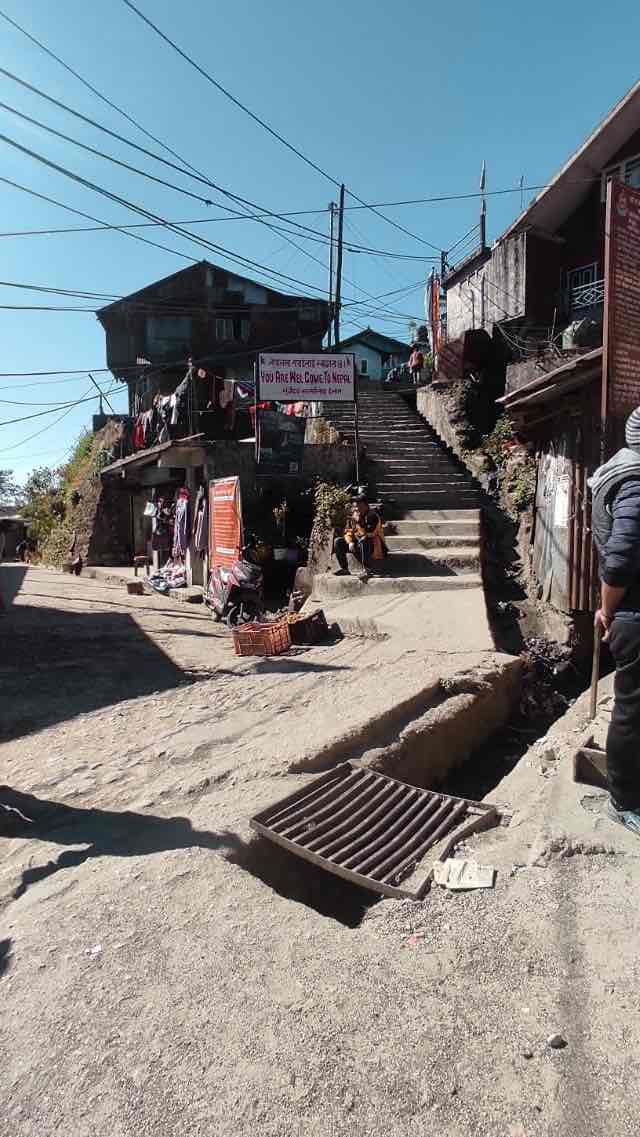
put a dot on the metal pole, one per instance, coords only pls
(100, 394)
(332, 209)
(356, 436)
(595, 672)
(336, 319)
(483, 208)
(256, 425)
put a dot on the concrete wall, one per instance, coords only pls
(501, 280)
(333, 463)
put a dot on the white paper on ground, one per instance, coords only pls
(457, 875)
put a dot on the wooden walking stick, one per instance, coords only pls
(595, 670)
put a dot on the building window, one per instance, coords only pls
(627, 171)
(232, 329)
(364, 367)
(168, 334)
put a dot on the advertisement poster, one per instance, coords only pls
(307, 378)
(225, 522)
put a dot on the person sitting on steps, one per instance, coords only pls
(362, 537)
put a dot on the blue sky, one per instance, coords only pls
(399, 100)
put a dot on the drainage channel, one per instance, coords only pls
(545, 695)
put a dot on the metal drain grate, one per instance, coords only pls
(369, 828)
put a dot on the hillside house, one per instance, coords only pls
(374, 353)
(208, 314)
(539, 290)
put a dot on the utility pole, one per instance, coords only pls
(336, 318)
(100, 410)
(332, 213)
(483, 207)
(521, 193)
(443, 298)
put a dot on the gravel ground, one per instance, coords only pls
(164, 974)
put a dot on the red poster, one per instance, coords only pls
(225, 522)
(621, 387)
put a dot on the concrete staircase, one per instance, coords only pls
(430, 503)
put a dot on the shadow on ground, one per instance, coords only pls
(11, 578)
(5, 956)
(296, 879)
(104, 833)
(56, 664)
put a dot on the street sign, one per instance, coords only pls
(300, 378)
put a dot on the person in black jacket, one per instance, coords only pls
(616, 530)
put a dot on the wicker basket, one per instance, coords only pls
(312, 629)
(262, 639)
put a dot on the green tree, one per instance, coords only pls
(44, 506)
(9, 488)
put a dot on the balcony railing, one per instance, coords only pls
(586, 296)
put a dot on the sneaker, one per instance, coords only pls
(342, 572)
(630, 818)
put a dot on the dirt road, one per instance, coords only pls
(163, 974)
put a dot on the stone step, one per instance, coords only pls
(438, 515)
(435, 530)
(433, 546)
(401, 491)
(418, 477)
(432, 499)
(328, 587)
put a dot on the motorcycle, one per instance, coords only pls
(235, 594)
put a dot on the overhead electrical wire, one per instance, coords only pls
(349, 246)
(136, 367)
(49, 426)
(208, 245)
(39, 414)
(306, 233)
(219, 249)
(188, 172)
(265, 125)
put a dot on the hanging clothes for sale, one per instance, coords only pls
(201, 521)
(226, 394)
(181, 525)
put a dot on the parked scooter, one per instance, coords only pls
(236, 594)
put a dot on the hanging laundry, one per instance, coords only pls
(201, 521)
(226, 394)
(181, 527)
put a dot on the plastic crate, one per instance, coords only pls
(262, 639)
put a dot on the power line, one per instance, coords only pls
(39, 414)
(219, 249)
(265, 125)
(49, 426)
(89, 86)
(167, 366)
(309, 233)
(350, 246)
(89, 217)
(176, 307)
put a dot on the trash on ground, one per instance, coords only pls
(556, 1042)
(458, 875)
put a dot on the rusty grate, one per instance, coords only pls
(369, 828)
